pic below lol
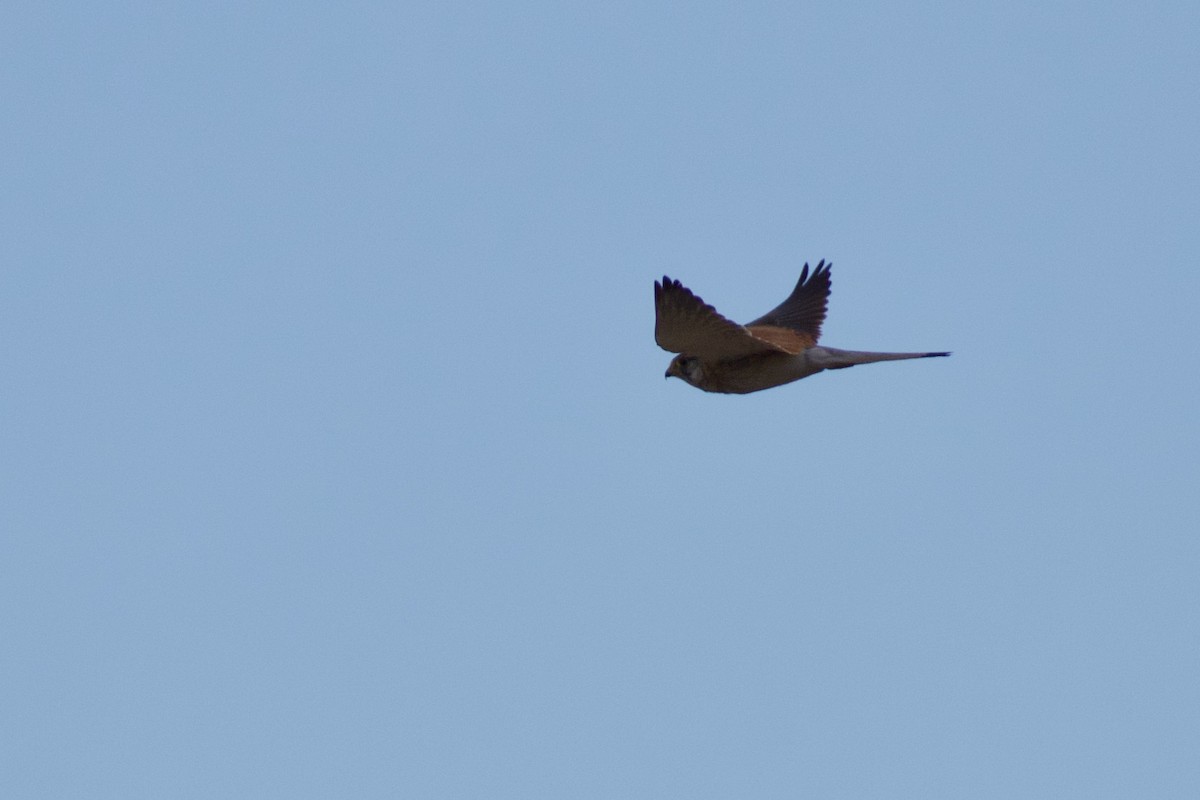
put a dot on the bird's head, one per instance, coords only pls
(685, 368)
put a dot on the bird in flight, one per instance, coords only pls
(718, 355)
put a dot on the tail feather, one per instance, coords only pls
(832, 358)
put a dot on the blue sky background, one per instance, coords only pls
(338, 460)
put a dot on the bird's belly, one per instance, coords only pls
(758, 372)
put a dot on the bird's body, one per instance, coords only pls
(718, 355)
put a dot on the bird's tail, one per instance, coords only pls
(832, 358)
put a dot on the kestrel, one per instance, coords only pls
(718, 355)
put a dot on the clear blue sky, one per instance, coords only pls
(337, 455)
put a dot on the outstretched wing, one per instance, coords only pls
(798, 319)
(686, 324)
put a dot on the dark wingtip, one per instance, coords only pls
(821, 271)
(933, 355)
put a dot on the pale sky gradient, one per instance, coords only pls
(337, 458)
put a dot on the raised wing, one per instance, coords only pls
(801, 315)
(686, 324)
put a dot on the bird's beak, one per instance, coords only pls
(668, 374)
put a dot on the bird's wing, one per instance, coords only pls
(785, 339)
(801, 315)
(686, 324)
